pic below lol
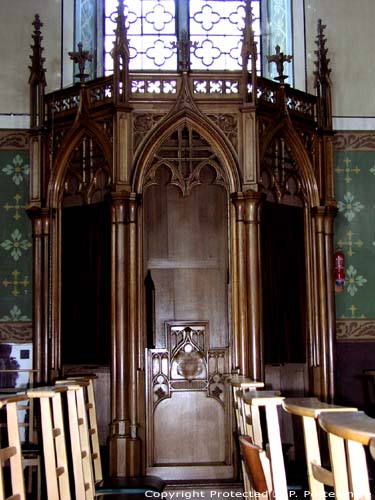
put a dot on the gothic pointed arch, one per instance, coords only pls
(193, 133)
(286, 171)
(82, 170)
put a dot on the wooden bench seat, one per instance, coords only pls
(349, 433)
(309, 409)
(84, 467)
(270, 401)
(54, 443)
(11, 451)
(240, 385)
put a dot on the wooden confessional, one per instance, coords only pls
(182, 228)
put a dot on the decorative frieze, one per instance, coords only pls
(10, 139)
(355, 329)
(16, 331)
(352, 141)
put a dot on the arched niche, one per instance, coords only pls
(185, 235)
(287, 239)
(84, 247)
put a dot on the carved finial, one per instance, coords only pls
(183, 46)
(249, 50)
(323, 71)
(81, 57)
(37, 79)
(322, 79)
(121, 43)
(120, 55)
(249, 45)
(37, 71)
(279, 58)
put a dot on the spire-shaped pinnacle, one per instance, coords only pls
(249, 51)
(120, 51)
(249, 46)
(322, 74)
(37, 71)
(323, 80)
(120, 54)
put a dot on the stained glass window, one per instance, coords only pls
(86, 22)
(213, 27)
(216, 30)
(151, 30)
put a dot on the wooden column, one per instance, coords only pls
(124, 444)
(240, 331)
(324, 248)
(41, 348)
(248, 332)
(330, 214)
(134, 467)
(254, 284)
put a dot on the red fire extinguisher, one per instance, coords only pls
(339, 270)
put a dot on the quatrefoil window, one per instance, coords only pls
(159, 17)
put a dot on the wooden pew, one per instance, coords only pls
(12, 451)
(309, 409)
(54, 444)
(23, 378)
(87, 381)
(240, 385)
(349, 433)
(84, 467)
(257, 468)
(270, 401)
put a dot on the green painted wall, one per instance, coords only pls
(15, 238)
(355, 232)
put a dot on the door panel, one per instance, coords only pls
(188, 406)
(185, 254)
(189, 412)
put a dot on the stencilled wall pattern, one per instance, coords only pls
(355, 234)
(15, 244)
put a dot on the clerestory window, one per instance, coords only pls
(210, 30)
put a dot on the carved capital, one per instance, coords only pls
(45, 212)
(330, 214)
(319, 214)
(247, 206)
(252, 200)
(40, 218)
(124, 207)
(119, 207)
(133, 203)
(324, 218)
(120, 428)
(239, 204)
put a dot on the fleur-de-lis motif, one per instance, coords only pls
(15, 314)
(353, 280)
(18, 169)
(16, 245)
(349, 206)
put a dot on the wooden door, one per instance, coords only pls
(186, 263)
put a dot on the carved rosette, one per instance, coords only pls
(187, 365)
